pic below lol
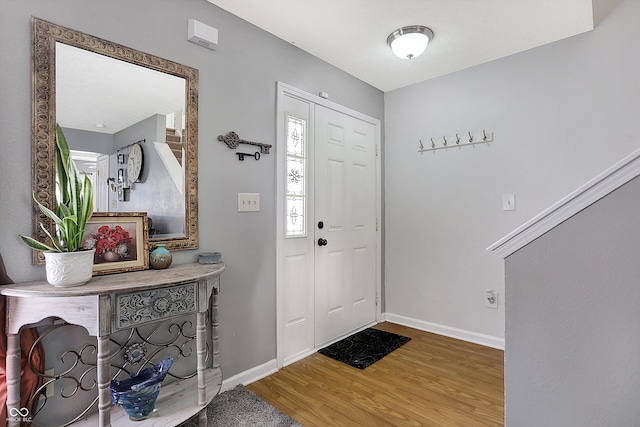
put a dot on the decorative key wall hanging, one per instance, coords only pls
(233, 140)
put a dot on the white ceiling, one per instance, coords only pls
(352, 34)
(93, 88)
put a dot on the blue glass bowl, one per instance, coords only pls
(138, 404)
(138, 394)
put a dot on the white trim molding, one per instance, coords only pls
(250, 375)
(609, 180)
(447, 331)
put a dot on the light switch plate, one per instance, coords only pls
(248, 202)
(509, 202)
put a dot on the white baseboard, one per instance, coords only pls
(447, 331)
(298, 357)
(250, 375)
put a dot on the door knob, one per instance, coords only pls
(322, 242)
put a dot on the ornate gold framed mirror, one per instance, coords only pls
(49, 98)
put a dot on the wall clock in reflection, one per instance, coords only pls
(135, 163)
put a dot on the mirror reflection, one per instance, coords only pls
(131, 119)
(105, 107)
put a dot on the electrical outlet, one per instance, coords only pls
(248, 202)
(50, 390)
(491, 299)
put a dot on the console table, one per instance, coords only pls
(110, 303)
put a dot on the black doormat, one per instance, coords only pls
(364, 348)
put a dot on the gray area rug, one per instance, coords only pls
(242, 408)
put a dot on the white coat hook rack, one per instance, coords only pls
(450, 142)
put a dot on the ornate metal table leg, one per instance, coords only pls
(104, 375)
(14, 412)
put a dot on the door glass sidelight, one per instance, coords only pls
(296, 188)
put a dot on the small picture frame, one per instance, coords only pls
(119, 240)
(120, 175)
(121, 159)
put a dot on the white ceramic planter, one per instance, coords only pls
(67, 269)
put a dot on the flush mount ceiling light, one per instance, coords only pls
(409, 42)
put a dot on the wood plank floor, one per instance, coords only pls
(430, 381)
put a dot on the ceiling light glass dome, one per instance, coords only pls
(409, 42)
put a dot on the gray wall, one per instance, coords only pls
(156, 193)
(83, 140)
(237, 92)
(572, 339)
(561, 114)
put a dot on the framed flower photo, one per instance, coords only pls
(119, 240)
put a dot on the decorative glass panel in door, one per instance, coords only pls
(296, 187)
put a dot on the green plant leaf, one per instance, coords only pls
(56, 242)
(63, 156)
(69, 230)
(86, 209)
(48, 212)
(73, 208)
(34, 244)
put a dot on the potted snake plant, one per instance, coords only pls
(67, 262)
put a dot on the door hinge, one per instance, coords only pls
(376, 224)
(376, 150)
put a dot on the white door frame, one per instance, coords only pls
(283, 90)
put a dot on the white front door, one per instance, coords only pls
(327, 291)
(345, 224)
